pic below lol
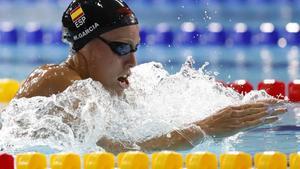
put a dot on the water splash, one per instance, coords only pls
(155, 104)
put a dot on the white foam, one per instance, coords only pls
(155, 104)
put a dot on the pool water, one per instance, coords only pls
(156, 103)
(161, 98)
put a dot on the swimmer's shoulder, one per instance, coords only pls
(47, 80)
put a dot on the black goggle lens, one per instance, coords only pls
(120, 48)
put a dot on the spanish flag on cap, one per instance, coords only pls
(76, 13)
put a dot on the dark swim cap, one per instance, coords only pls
(84, 20)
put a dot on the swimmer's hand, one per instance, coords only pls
(233, 119)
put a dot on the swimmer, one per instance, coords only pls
(104, 36)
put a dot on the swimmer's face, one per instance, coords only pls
(108, 67)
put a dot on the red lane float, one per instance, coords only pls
(6, 161)
(294, 90)
(241, 86)
(273, 87)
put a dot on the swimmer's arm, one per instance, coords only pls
(176, 140)
(225, 122)
(182, 139)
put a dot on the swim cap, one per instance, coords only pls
(84, 20)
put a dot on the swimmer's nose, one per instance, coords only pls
(131, 60)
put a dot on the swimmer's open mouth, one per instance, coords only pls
(123, 81)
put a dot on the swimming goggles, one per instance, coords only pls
(120, 48)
